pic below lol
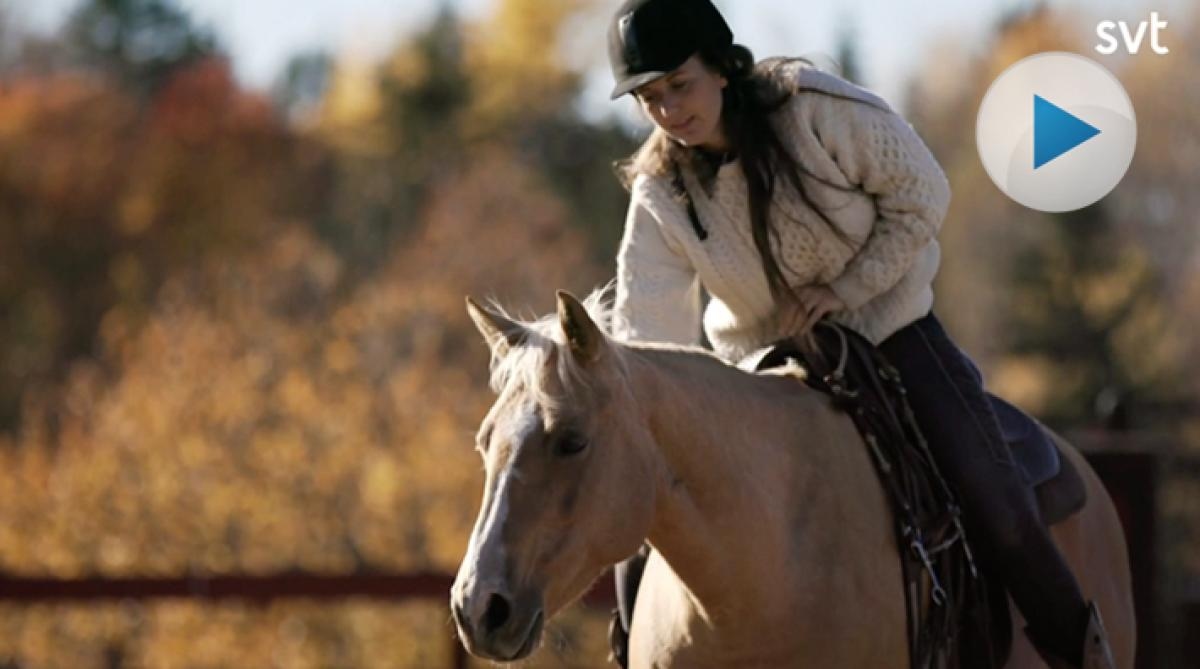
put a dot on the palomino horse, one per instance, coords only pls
(773, 543)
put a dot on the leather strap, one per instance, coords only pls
(940, 577)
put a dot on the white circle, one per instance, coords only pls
(1078, 176)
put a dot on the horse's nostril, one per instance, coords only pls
(497, 613)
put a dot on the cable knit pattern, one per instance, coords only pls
(873, 177)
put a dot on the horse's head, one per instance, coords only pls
(569, 476)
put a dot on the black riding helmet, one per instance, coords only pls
(649, 38)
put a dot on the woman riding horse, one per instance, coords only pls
(791, 195)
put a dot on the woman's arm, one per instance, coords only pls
(880, 152)
(658, 291)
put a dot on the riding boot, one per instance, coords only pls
(627, 575)
(1096, 652)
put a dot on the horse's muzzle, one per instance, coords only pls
(496, 626)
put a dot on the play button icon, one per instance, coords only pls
(1056, 131)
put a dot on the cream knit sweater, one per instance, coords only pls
(897, 198)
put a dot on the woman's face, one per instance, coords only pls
(686, 104)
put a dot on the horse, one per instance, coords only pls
(773, 543)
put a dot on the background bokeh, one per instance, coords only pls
(232, 334)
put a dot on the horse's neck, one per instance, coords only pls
(737, 454)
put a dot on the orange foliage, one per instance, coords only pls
(261, 421)
(210, 384)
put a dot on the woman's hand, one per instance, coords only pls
(813, 302)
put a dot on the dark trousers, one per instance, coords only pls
(1000, 513)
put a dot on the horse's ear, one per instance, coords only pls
(584, 337)
(500, 333)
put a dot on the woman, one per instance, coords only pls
(791, 195)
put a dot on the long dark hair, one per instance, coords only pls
(752, 95)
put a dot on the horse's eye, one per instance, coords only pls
(570, 444)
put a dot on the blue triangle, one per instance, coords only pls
(1056, 131)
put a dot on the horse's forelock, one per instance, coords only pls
(542, 344)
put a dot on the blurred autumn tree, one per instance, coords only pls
(1069, 312)
(1088, 307)
(983, 228)
(1156, 206)
(140, 157)
(1157, 202)
(204, 261)
(303, 85)
(8, 39)
(404, 127)
(232, 336)
(1087, 316)
(394, 129)
(141, 43)
(241, 345)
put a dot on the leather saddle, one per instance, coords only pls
(1056, 483)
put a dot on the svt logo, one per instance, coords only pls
(1133, 42)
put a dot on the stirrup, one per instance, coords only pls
(1096, 652)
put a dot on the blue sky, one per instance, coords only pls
(892, 34)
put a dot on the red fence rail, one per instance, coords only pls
(1129, 475)
(259, 589)
(428, 586)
